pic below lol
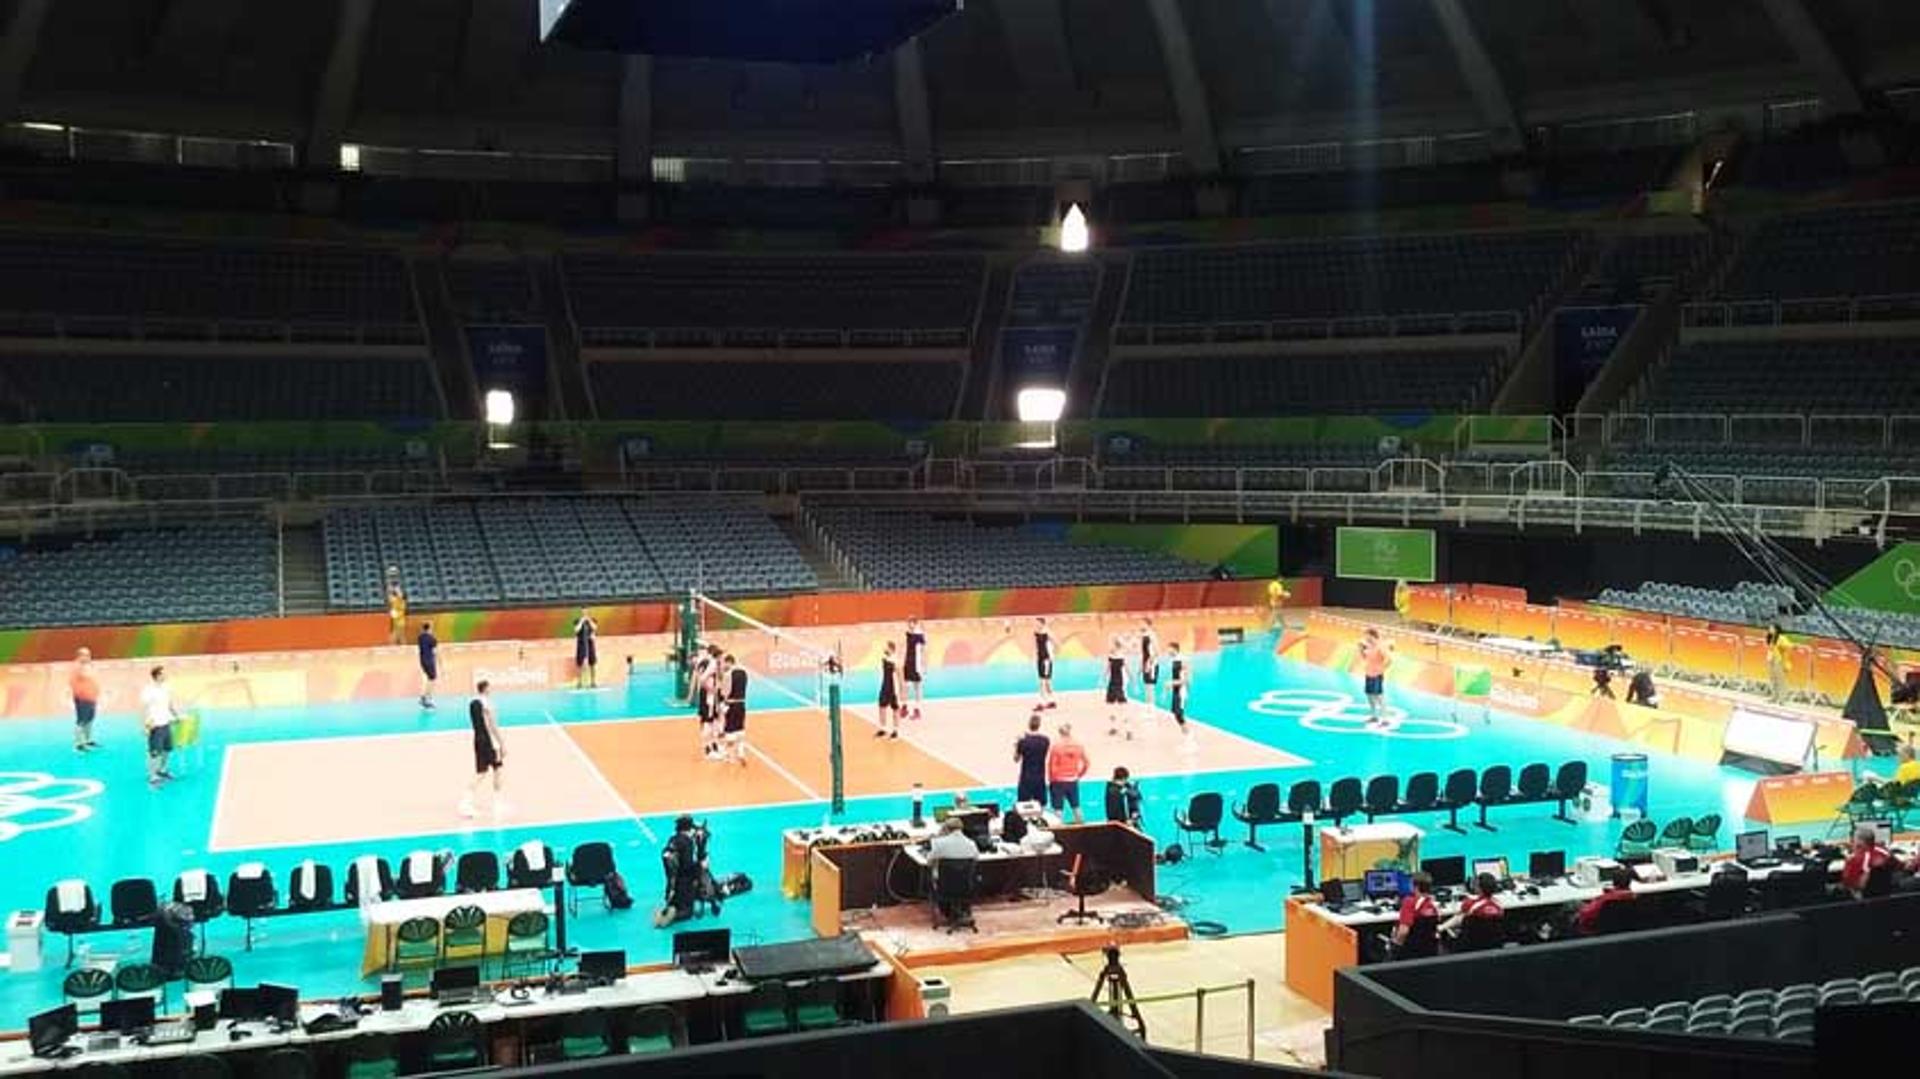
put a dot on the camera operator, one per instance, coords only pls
(684, 859)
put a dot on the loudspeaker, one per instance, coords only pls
(936, 997)
(392, 989)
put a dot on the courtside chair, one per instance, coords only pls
(87, 987)
(585, 1036)
(251, 894)
(1569, 783)
(200, 1066)
(1262, 807)
(368, 876)
(590, 866)
(1422, 794)
(421, 876)
(213, 972)
(372, 1056)
(101, 1070)
(653, 1029)
(287, 1063)
(817, 1005)
(1496, 788)
(134, 902)
(310, 887)
(1677, 833)
(415, 946)
(1304, 798)
(1382, 797)
(455, 1040)
(1534, 784)
(198, 889)
(1344, 799)
(1705, 834)
(464, 936)
(477, 871)
(1202, 817)
(766, 1010)
(526, 947)
(1462, 785)
(530, 865)
(1637, 838)
(141, 980)
(72, 909)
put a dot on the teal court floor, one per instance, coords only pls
(92, 816)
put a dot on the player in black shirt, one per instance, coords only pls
(1177, 687)
(1043, 662)
(913, 671)
(734, 678)
(1149, 664)
(889, 702)
(586, 651)
(1117, 710)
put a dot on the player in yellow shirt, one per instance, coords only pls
(1277, 597)
(1402, 599)
(1779, 662)
(396, 611)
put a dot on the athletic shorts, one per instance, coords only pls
(736, 717)
(1043, 667)
(1150, 675)
(1116, 695)
(1179, 704)
(889, 698)
(586, 656)
(160, 739)
(485, 758)
(1376, 684)
(1065, 793)
(431, 670)
(83, 711)
(911, 673)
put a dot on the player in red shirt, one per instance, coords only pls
(1417, 934)
(1593, 915)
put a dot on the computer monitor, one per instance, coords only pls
(1381, 884)
(451, 980)
(1750, 845)
(240, 1003)
(976, 824)
(127, 1016)
(1547, 865)
(1352, 891)
(941, 813)
(1330, 891)
(608, 966)
(1447, 872)
(281, 1002)
(1493, 867)
(48, 1032)
(703, 948)
(1787, 844)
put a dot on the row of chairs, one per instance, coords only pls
(89, 986)
(1786, 1013)
(251, 892)
(1383, 796)
(460, 938)
(1640, 837)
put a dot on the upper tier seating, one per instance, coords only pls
(903, 549)
(1053, 292)
(1387, 275)
(133, 388)
(1293, 384)
(1756, 604)
(813, 390)
(1644, 267)
(1858, 376)
(159, 279)
(1786, 1013)
(820, 292)
(215, 570)
(1846, 251)
(490, 291)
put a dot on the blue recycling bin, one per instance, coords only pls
(1629, 788)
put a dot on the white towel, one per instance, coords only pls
(251, 871)
(193, 886)
(71, 895)
(535, 853)
(306, 881)
(366, 877)
(419, 867)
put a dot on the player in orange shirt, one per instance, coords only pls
(1376, 656)
(86, 699)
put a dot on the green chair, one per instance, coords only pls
(1898, 800)
(1706, 833)
(1865, 803)
(142, 980)
(200, 1066)
(766, 1010)
(98, 1070)
(526, 948)
(585, 1035)
(1637, 837)
(817, 1005)
(454, 1040)
(464, 936)
(209, 972)
(288, 1063)
(416, 946)
(1677, 833)
(86, 987)
(654, 1029)
(371, 1056)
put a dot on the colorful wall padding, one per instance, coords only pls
(1689, 722)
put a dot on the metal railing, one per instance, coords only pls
(704, 337)
(1824, 430)
(160, 329)
(1317, 329)
(1727, 314)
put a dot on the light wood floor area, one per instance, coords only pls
(1287, 1028)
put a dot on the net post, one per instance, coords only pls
(836, 756)
(688, 641)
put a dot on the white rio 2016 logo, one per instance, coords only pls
(1332, 712)
(30, 801)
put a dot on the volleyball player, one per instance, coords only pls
(1177, 689)
(586, 651)
(396, 608)
(1043, 662)
(913, 671)
(85, 689)
(489, 751)
(1117, 688)
(734, 725)
(889, 695)
(700, 681)
(1149, 665)
(429, 647)
(158, 715)
(1376, 656)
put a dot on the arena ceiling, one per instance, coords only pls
(1004, 77)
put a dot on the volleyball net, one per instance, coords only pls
(785, 669)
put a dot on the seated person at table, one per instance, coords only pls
(1123, 798)
(1611, 910)
(1481, 904)
(684, 860)
(1869, 868)
(951, 845)
(1417, 934)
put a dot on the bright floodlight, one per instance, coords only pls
(1041, 405)
(1073, 231)
(499, 407)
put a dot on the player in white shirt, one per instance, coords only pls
(157, 715)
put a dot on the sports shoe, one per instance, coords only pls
(895, 736)
(466, 808)
(501, 807)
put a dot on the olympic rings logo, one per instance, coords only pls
(1332, 712)
(1906, 577)
(31, 801)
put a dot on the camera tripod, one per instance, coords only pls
(1113, 983)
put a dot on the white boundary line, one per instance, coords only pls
(812, 795)
(220, 795)
(606, 785)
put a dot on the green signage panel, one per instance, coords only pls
(1384, 554)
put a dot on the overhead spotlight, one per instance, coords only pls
(1074, 237)
(349, 157)
(499, 407)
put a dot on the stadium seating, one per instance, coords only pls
(1848, 251)
(1855, 376)
(1786, 1013)
(903, 549)
(1326, 384)
(220, 569)
(815, 390)
(1644, 267)
(1345, 277)
(824, 292)
(1757, 604)
(718, 545)
(1053, 292)
(129, 388)
(491, 291)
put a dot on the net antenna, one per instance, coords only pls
(801, 672)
